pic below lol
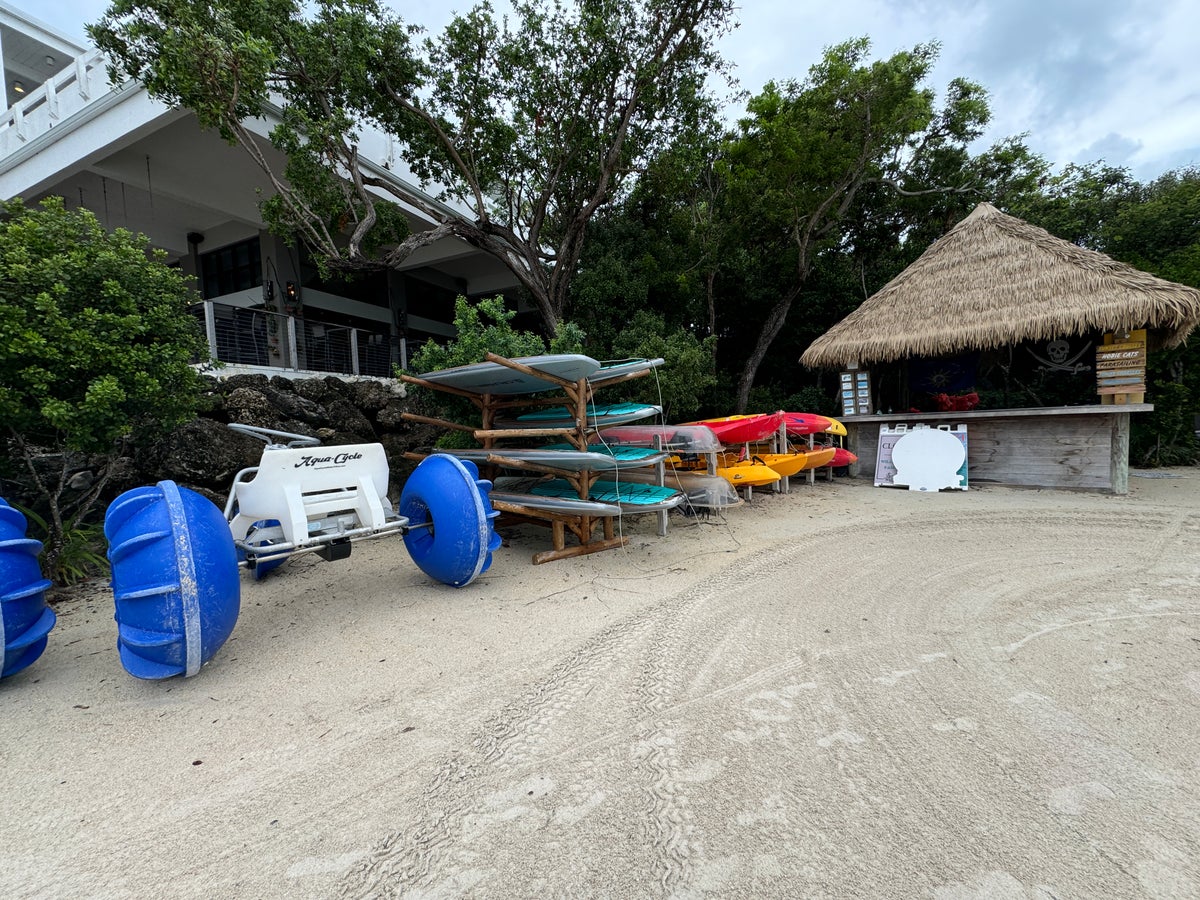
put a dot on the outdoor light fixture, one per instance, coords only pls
(49, 60)
(292, 291)
(18, 87)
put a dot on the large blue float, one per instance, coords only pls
(174, 577)
(25, 619)
(450, 515)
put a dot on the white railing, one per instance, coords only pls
(60, 97)
(255, 337)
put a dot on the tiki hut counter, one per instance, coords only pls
(999, 290)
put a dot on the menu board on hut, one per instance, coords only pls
(1121, 366)
(856, 393)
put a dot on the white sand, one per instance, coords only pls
(846, 691)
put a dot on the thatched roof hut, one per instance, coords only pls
(994, 280)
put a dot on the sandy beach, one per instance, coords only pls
(840, 692)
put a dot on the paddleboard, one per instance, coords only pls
(493, 378)
(630, 496)
(611, 371)
(744, 429)
(565, 456)
(569, 505)
(597, 416)
(619, 456)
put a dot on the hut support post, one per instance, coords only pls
(1120, 453)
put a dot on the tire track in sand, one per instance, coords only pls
(635, 690)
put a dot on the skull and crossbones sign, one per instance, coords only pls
(1058, 350)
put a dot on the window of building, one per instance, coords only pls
(236, 267)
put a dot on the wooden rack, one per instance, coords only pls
(594, 533)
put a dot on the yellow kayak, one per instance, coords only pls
(748, 474)
(740, 474)
(788, 464)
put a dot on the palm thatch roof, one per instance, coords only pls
(995, 280)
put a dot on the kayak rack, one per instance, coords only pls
(594, 531)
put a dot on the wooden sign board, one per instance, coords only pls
(854, 393)
(1121, 367)
(885, 469)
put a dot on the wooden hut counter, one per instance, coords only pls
(1074, 447)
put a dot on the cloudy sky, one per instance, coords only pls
(1085, 79)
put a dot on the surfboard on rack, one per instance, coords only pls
(629, 496)
(494, 378)
(567, 505)
(610, 371)
(598, 416)
(563, 456)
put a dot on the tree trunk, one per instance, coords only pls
(770, 330)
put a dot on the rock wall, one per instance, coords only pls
(205, 454)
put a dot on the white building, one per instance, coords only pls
(140, 165)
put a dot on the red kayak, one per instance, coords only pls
(841, 457)
(744, 429)
(802, 424)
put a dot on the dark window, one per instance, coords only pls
(428, 300)
(370, 286)
(237, 267)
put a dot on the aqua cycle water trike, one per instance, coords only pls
(175, 556)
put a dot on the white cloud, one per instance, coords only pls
(1082, 77)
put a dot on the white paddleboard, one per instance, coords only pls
(493, 378)
(571, 460)
(557, 504)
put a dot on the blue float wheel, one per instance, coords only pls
(25, 619)
(451, 538)
(175, 579)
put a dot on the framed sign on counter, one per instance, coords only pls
(855, 393)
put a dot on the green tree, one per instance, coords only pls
(1154, 227)
(95, 346)
(530, 123)
(807, 149)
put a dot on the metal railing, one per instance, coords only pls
(256, 337)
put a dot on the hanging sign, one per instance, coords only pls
(1121, 364)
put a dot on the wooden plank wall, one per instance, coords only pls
(1070, 451)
